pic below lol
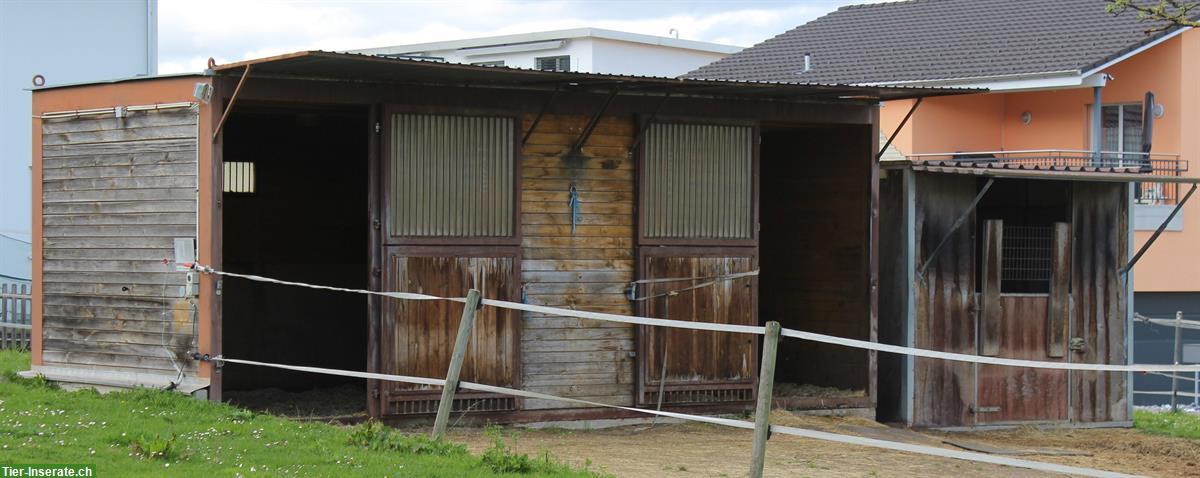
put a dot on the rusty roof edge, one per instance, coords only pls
(1063, 175)
(551, 76)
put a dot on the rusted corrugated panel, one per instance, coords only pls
(1100, 249)
(699, 181)
(452, 176)
(944, 390)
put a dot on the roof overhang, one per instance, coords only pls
(1036, 81)
(555, 35)
(1076, 174)
(353, 67)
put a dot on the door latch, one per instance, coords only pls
(1077, 345)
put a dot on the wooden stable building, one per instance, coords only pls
(1010, 255)
(551, 188)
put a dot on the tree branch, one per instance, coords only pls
(1171, 12)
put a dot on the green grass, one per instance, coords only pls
(150, 432)
(1175, 424)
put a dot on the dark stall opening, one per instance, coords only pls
(813, 254)
(295, 208)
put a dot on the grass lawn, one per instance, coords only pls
(1175, 424)
(149, 432)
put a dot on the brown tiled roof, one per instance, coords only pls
(917, 40)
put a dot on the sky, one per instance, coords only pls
(229, 30)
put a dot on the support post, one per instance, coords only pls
(766, 386)
(465, 325)
(1178, 358)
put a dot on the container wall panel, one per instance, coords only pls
(698, 181)
(116, 194)
(451, 176)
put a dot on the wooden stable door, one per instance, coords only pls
(699, 366)
(1025, 308)
(419, 335)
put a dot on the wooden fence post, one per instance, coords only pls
(766, 386)
(465, 325)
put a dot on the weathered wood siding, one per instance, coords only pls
(586, 269)
(1100, 239)
(1018, 393)
(943, 390)
(116, 193)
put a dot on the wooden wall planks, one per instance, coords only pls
(588, 269)
(116, 193)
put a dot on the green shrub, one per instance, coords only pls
(155, 448)
(379, 437)
(500, 458)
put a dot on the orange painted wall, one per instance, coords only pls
(1060, 120)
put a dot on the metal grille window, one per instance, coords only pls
(1027, 254)
(698, 181)
(451, 176)
(554, 63)
(239, 177)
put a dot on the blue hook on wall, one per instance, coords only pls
(574, 203)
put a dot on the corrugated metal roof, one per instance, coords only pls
(1071, 173)
(918, 40)
(370, 68)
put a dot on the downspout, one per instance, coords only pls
(1097, 117)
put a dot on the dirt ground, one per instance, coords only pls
(692, 449)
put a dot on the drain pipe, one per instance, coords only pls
(1097, 117)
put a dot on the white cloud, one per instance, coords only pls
(231, 30)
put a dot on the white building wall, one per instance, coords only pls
(65, 41)
(610, 56)
(580, 50)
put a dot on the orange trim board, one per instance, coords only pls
(143, 92)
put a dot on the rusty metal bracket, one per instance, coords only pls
(903, 122)
(541, 113)
(954, 228)
(1158, 232)
(577, 148)
(646, 125)
(232, 100)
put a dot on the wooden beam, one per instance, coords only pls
(465, 326)
(903, 122)
(232, 100)
(957, 224)
(1058, 306)
(993, 309)
(1158, 232)
(762, 412)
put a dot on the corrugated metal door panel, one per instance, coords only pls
(698, 181)
(451, 176)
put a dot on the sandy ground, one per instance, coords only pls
(691, 449)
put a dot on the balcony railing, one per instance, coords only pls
(1148, 165)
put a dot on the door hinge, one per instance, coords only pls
(375, 393)
(375, 224)
(378, 128)
(975, 409)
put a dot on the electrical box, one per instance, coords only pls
(192, 289)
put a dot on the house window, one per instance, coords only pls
(554, 63)
(489, 63)
(1121, 130)
(239, 177)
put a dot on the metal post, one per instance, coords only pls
(1178, 358)
(762, 412)
(1097, 119)
(460, 351)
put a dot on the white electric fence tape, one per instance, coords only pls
(800, 432)
(744, 329)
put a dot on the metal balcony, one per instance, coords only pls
(1144, 165)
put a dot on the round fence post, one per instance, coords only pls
(762, 412)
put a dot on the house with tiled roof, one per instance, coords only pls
(1080, 146)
